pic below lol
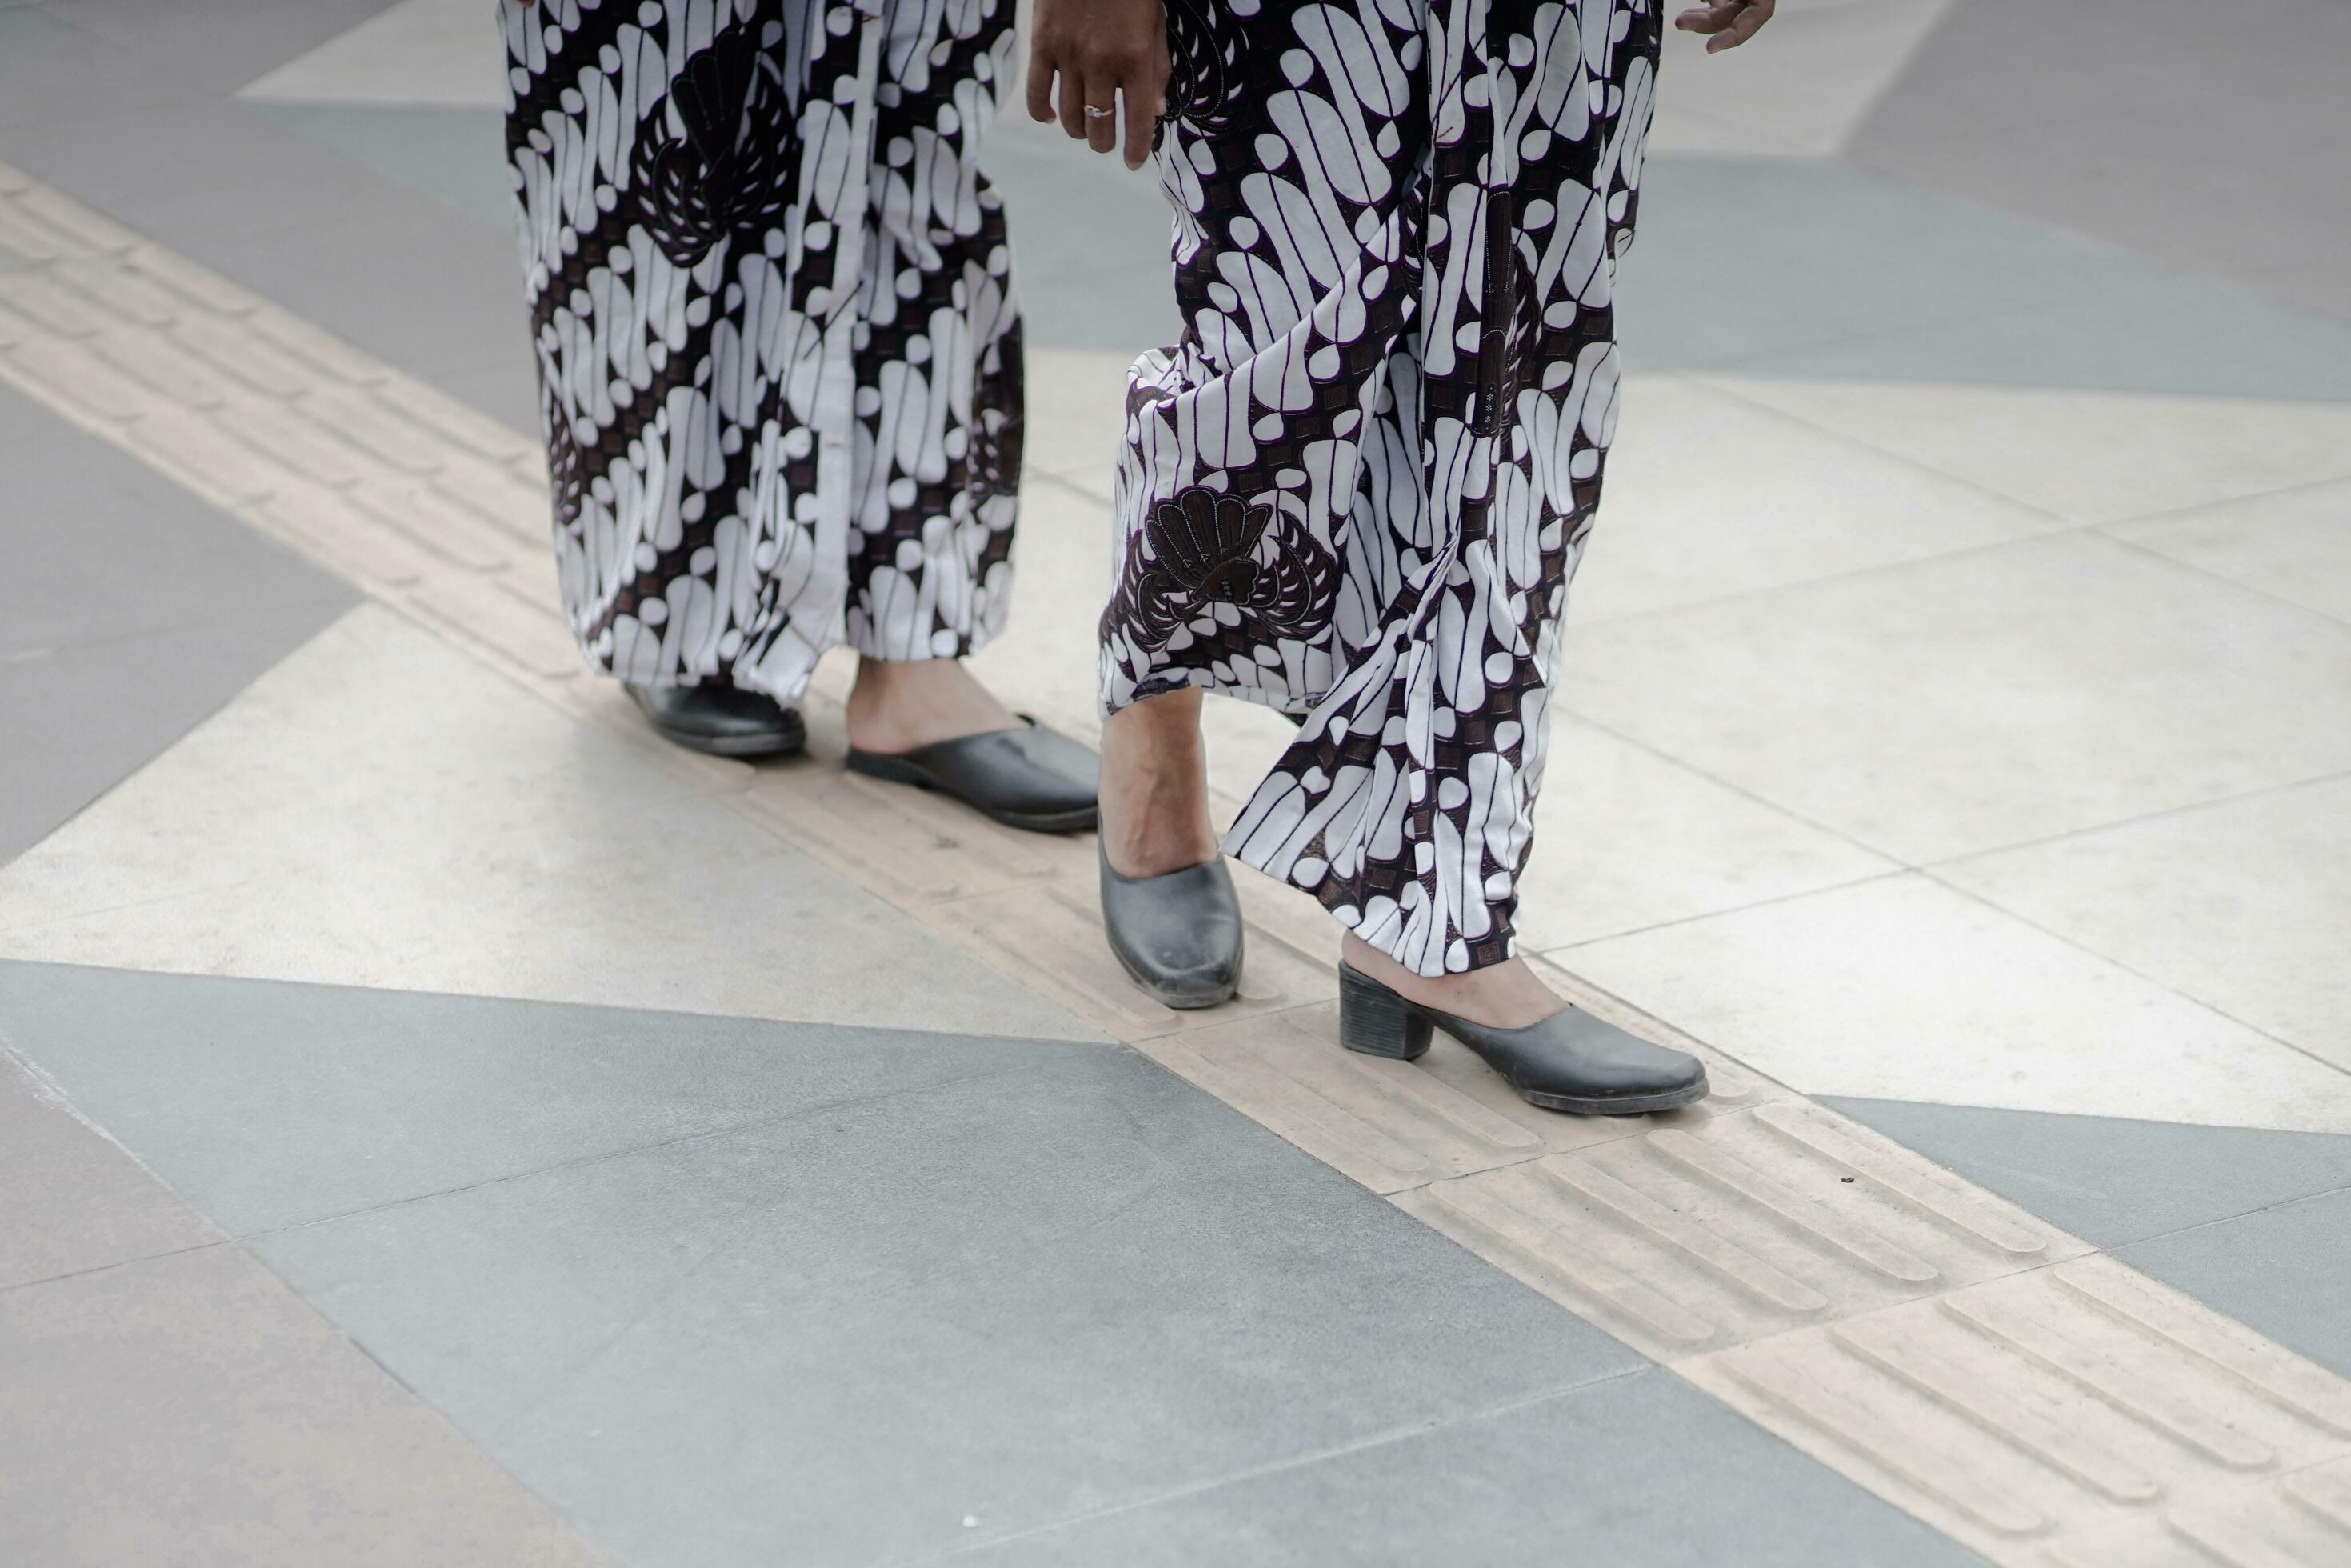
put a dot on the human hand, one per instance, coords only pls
(1109, 55)
(1732, 22)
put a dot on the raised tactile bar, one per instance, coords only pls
(1746, 1231)
(2077, 1414)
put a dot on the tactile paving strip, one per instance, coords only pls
(2081, 1414)
(1974, 1366)
(1736, 1228)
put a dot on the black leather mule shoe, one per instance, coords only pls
(722, 720)
(1569, 1062)
(1178, 936)
(1028, 778)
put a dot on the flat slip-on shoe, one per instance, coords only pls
(1569, 1062)
(1030, 777)
(722, 720)
(1178, 936)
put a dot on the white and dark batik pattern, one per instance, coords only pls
(778, 347)
(1357, 490)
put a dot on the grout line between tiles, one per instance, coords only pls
(1750, 1243)
(2168, 990)
(602, 1157)
(1379, 1439)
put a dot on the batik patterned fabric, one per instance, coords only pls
(779, 346)
(1358, 487)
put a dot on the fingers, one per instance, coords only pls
(1101, 99)
(1731, 22)
(1062, 94)
(1041, 85)
(1070, 99)
(1743, 26)
(1711, 18)
(1142, 112)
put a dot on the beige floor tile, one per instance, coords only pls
(1709, 495)
(192, 1410)
(2094, 456)
(1398, 1124)
(1905, 989)
(2295, 544)
(2075, 1417)
(76, 1199)
(1983, 699)
(381, 811)
(2244, 905)
(1732, 1228)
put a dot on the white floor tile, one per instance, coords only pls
(380, 810)
(1709, 495)
(1983, 699)
(1626, 839)
(2094, 456)
(2245, 904)
(1905, 989)
(2294, 544)
(1076, 419)
(1796, 91)
(1045, 659)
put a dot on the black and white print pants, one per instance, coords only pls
(779, 346)
(1358, 487)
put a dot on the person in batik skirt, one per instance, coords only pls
(779, 354)
(1357, 490)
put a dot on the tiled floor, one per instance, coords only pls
(440, 1125)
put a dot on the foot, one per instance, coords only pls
(895, 707)
(1154, 788)
(1499, 996)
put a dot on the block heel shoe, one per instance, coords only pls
(1569, 1062)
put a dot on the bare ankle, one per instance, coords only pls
(1508, 995)
(1154, 788)
(898, 706)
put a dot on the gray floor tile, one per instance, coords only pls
(99, 546)
(76, 1199)
(1846, 273)
(135, 610)
(1092, 240)
(2214, 137)
(2109, 1180)
(2123, 338)
(269, 1105)
(401, 273)
(191, 1410)
(1824, 253)
(456, 154)
(218, 45)
(1019, 1298)
(2285, 1271)
(1638, 1472)
(53, 73)
(506, 390)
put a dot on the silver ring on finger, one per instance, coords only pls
(1094, 113)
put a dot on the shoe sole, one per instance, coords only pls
(1181, 1004)
(742, 748)
(1622, 1105)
